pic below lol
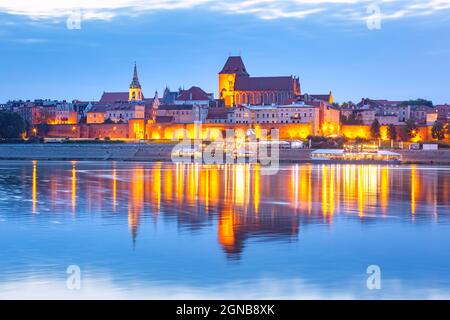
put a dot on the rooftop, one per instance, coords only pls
(176, 107)
(263, 83)
(194, 93)
(234, 64)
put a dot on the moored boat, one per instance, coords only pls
(358, 154)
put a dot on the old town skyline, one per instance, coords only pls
(170, 48)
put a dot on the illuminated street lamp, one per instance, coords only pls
(34, 131)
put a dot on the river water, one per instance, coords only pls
(162, 230)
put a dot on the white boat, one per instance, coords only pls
(358, 155)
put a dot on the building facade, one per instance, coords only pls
(322, 117)
(182, 113)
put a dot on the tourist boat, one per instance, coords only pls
(356, 154)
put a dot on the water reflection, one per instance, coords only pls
(237, 200)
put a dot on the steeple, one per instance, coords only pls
(135, 92)
(135, 83)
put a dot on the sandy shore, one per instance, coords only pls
(162, 152)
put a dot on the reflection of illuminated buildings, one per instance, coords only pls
(238, 199)
(34, 187)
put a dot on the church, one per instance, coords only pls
(237, 87)
(123, 106)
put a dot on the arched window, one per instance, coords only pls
(258, 98)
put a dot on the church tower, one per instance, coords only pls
(233, 68)
(135, 92)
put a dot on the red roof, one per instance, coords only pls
(111, 97)
(234, 65)
(175, 107)
(218, 113)
(164, 119)
(264, 83)
(113, 106)
(194, 93)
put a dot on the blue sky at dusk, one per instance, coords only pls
(184, 43)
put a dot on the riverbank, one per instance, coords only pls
(162, 152)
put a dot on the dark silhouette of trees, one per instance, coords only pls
(375, 129)
(11, 125)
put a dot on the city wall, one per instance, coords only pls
(138, 129)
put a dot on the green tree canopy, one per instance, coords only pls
(392, 132)
(411, 128)
(418, 102)
(375, 129)
(438, 130)
(11, 125)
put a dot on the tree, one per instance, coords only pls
(375, 129)
(108, 121)
(411, 128)
(11, 125)
(392, 132)
(438, 130)
(418, 102)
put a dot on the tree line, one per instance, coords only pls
(438, 130)
(12, 125)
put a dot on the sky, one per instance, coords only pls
(390, 49)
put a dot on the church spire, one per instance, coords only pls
(135, 83)
(135, 92)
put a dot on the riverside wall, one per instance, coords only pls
(162, 152)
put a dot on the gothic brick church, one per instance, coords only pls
(236, 87)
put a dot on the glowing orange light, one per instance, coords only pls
(226, 228)
(34, 187)
(114, 187)
(74, 184)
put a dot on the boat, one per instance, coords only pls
(356, 154)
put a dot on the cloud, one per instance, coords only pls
(264, 9)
